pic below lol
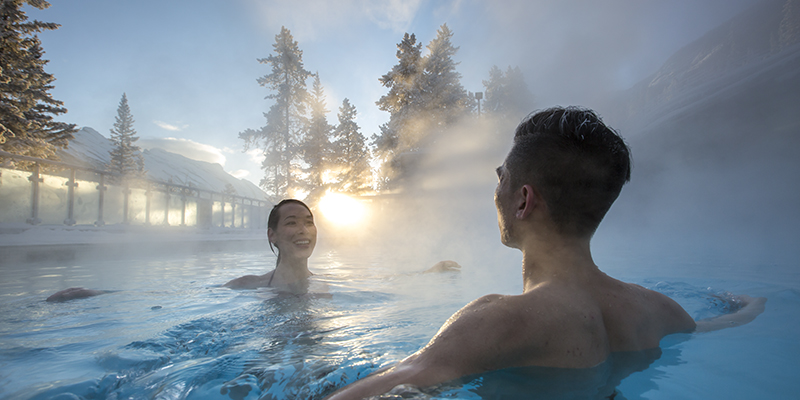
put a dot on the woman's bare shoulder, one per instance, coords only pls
(74, 293)
(250, 281)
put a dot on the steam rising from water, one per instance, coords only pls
(712, 181)
(446, 212)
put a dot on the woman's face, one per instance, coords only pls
(296, 235)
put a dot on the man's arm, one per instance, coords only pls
(409, 371)
(751, 308)
(459, 348)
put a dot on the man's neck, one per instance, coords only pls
(554, 257)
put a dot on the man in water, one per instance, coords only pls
(558, 181)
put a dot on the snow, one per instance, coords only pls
(91, 149)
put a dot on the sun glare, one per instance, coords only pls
(329, 176)
(341, 209)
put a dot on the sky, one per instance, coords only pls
(189, 67)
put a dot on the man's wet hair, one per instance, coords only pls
(577, 163)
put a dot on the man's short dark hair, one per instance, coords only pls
(577, 163)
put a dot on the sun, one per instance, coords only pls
(342, 209)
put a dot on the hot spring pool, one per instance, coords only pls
(168, 331)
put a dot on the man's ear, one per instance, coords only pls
(527, 200)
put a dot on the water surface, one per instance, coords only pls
(168, 330)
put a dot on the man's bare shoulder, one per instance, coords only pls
(539, 307)
(474, 315)
(495, 310)
(507, 330)
(629, 307)
(479, 321)
(663, 303)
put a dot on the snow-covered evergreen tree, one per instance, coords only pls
(507, 94)
(126, 156)
(445, 99)
(282, 136)
(403, 102)
(26, 108)
(403, 80)
(351, 153)
(425, 97)
(317, 143)
(494, 91)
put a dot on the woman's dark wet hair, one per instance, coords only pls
(578, 164)
(274, 216)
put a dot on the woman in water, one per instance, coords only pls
(290, 229)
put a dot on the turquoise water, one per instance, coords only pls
(168, 331)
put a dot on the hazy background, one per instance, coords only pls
(708, 103)
(715, 137)
(189, 67)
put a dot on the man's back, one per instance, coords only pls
(559, 323)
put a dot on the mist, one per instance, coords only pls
(708, 106)
(714, 138)
(705, 92)
(193, 67)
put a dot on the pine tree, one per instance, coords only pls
(317, 144)
(404, 102)
(351, 153)
(26, 108)
(404, 99)
(507, 94)
(445, 99)
(281, 138)
(425, 97)
(521, 99)
(494, 91)
(126, 157)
